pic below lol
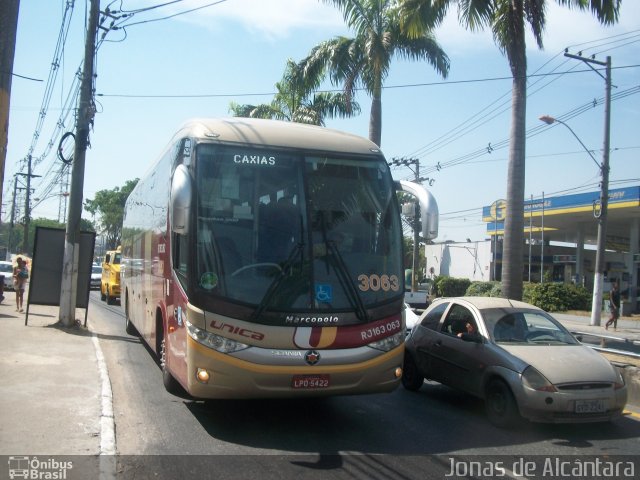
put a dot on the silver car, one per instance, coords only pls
(516, 357)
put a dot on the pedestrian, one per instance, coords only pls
(614, 307)
(20, 276)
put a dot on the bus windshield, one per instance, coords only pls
(286, 231)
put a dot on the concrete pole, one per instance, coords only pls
(69, 283)
(8, 28)
(598, 282)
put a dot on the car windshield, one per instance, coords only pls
(6, 268)
(96, 269)
(526, 327)
(282, 230)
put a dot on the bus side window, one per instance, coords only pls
(180, 256)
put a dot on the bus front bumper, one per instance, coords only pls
(215, 375)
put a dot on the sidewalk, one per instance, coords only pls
(50, 387)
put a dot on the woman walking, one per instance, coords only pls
(20, 276)
(614, 306)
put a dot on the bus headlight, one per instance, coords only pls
(389, 343)
(215, 342)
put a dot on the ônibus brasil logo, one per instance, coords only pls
(34, 468)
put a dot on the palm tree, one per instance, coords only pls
(295, 101)
(507, 20)
(364, 61)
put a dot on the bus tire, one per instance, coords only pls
(129, 327)
(103, 297)
(171, 385)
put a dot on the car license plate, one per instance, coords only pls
(589, 406)
(310, 381)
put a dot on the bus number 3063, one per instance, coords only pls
(376, 282)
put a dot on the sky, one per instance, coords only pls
(158, 72)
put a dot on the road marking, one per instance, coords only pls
(107, 421)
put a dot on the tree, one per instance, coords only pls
(507, 20)
(296, 101)
(365, 60)
(12, 237)
(109, 205)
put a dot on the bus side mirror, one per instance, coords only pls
(428, 207)
(181, 194)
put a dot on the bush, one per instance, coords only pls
(558, 297)
(552, 297)
(452, 287)
(484, 289)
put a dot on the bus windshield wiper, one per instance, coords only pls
(275, 284)
(343, 273)
(345, 280)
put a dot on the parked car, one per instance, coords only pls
(6, 270)
(516, 357)
(96, 277)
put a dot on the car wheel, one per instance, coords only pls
(500, 405)
(412, 379)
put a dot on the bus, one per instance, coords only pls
(264, 259)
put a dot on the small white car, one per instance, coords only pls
(516, 357)
(6, 270)
(96, 277)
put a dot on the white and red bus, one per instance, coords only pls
(264, 259)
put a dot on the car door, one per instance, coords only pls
(423, 338)
(455, 361)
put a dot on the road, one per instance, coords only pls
(353, 435)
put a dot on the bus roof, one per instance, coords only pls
(276, 133)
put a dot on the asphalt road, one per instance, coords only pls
(398, 434)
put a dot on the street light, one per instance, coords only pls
(598, 281)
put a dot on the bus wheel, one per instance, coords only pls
(170, 383)
(103, 297)
(129, 328)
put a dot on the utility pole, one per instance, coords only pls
(86, 111)
(8, 28)
(598, 280)
(13, 216)
(27, 206)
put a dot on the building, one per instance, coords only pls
(560, 237)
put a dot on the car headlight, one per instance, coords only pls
(389, 343)
(533, 379)
(619, 379)
(215, 342)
